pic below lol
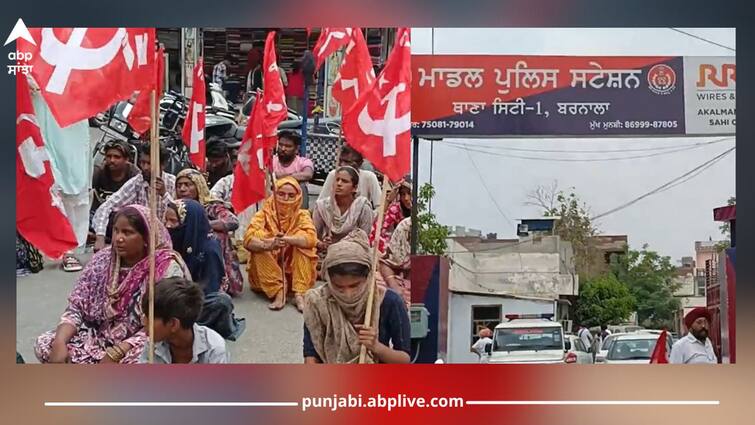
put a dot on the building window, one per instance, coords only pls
(484, 316)
(700, 286)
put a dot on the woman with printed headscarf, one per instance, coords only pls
(190, 184)
(334, 313)
(190, 232)
(398, 207)
(281, 233)
(102, 323)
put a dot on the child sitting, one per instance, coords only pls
(178, 338)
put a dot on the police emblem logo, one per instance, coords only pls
(661, 79)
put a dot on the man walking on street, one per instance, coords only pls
(584, 335)
(695, 347)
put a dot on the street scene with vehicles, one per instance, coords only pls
(576, 195)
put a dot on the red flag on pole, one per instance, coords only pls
(82, 71)
(139, 118)
(330, 40)
(274, 109)
(356, 72)
(259, 137)
(379, 124)
(194, 125)
(40, 217)
(249, 174)
(659, 353)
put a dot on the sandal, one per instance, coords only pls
(72, 264)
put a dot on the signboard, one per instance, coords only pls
(710, 95)
(595, 96)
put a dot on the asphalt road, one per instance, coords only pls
(270, 336)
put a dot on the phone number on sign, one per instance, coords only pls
(650, 124)
(443, 124)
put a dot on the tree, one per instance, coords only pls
(574, 226)
(604, 300)
(432, 235)
(649, 278)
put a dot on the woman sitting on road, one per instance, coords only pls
(398, 208)
(334, 313)
(282, 233)
(190, 231)
(395, 264)
(338, 214)
(102, 323)
(190, 184)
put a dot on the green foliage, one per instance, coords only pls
(649, 278)
(604, 300)
(432, 235)
(576, 227)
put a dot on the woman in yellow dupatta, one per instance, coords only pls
(282, 229)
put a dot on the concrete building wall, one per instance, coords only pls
(537, 269)
(686, 284)
(460, 319)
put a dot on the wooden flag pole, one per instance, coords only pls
(270, 188)
(154, 158)
(375, 256)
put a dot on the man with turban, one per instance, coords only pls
(695, 347)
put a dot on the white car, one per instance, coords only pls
(600, 357)
(633, 348)
(576, 350)
(528, 341)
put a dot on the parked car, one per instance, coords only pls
(624, 328)
(576, 347)
(634, 348)
(600, 356)
(529, 340)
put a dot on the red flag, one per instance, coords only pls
(194, 125)
(140, 117)
(356, 72)
(82, 71)
(40, 217)
(330, 40)
(659, 353)
(273, 100)
(259, 137)
(379, 124)
(249, 174)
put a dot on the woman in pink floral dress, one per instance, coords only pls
(102, 323)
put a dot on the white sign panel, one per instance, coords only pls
(710, 85)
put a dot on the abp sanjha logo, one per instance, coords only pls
(661, 79)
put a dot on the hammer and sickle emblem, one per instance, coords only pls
(71, 55)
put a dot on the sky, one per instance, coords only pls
(669, 222)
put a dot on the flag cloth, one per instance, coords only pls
(140, 117)
(194, 125)
(40, 217)
(249, 174)
(260, 135)
(330, 40)
(83, 71)
(659, 353)
(378, 125)
(355, 73)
